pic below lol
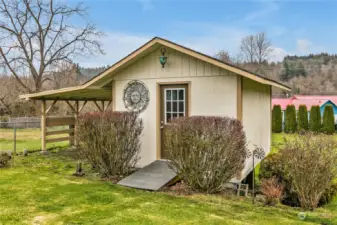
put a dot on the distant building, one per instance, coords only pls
(308, 100)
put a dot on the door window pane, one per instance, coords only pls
(181, 114)
(181, 107)
(168, 117)
(181, 94)
(175, 106)
(174, 95)
(168, 107)
(174, 115)
(168, 95)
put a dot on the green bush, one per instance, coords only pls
(4, 158)
(302, 118)
(328, 195)
(277, 119)
(110, 141)
(206, 151)
(272, 166)
(328, 120)
(315, 119)
(290, 119)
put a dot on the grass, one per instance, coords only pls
(29, 139)
(40, 189)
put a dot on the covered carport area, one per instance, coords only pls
(76, 98)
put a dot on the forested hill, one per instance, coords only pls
(310, 74)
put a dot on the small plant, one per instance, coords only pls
(206, 151)
(277, 119)
(110, 141)
(4, 158)
(315, 124)
(290, 119)
(302, 118)
(328, 120)
(272, 190)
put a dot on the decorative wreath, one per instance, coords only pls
(136, 96)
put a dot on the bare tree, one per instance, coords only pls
(263, 47)
(248, 48)
(36, 35)
(256, 48)
(224, 56)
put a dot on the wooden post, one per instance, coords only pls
(43, 125)
(76, 117)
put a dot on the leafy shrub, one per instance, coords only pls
(315, 119)
(310, 162)
(273, 166)
(272, 189)
(206, 151)
(110, 141)
(277, 119)
(328, 120)
(4, 158)
(290, 119)
(328, 194)
(302, 118)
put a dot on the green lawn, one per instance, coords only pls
(25, 139)
(40, 189)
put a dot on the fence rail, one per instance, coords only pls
(21, 122)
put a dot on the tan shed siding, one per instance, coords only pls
(256, 105)
(212, 94)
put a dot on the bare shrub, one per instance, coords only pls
(206, 151)
(110, 141)
(272, 189)
(311, 163)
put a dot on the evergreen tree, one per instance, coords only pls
(277, 119)
(302, 118)
(315, 119)
(328, 120)
(290, 119)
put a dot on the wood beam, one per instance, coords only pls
(51, 106)
(107, 106)
(76, 118)
(99, 108)
(80, 109)
(72, 108)
(43, 125)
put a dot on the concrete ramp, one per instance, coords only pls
(151, 177)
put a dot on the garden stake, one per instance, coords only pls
(259, 153)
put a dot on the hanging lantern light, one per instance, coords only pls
(163, 58)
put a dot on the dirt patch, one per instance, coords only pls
(180, 188)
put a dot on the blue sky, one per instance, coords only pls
(294, 27)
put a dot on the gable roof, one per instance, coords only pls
(104, 77)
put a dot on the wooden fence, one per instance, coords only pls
(51, 122)
(21, 122)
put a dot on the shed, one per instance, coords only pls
(164, 80)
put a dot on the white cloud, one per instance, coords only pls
(278, 54)
(303, 46)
